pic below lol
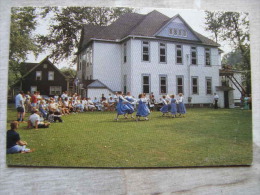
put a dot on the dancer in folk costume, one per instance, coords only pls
(142, 109)
(121, 106)
(168, 100)
(165, 108)
(130, 99)
(181, 107)
(173, 106)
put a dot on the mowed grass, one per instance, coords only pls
(205, 137)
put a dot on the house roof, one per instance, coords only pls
(224, 88)
(26, 67)
(90, 84)
(29, 67)
(133, 24)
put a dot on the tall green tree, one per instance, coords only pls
(69, 72)
(64, 35)
(22, 41)
(233, 27)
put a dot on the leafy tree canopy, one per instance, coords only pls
(64, 35)
(233, 27)
(69, 72)
(23, 23)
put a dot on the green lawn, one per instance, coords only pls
(205, 137)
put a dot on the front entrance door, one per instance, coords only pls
(226, 99)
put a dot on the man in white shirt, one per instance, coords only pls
(64, 95)
(90, 105)
(216, 101)
(19, 104)
(34, 121)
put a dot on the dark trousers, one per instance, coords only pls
(56, 118)
(216, 104)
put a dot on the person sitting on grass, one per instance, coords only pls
(111, 103)
(91, 105)
(34, 121)
(55, 116)
(43, 109)
(13, 142)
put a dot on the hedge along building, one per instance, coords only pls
(151, 53)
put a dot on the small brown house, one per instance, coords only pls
(43, 77)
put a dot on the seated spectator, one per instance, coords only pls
(43, 109)
(52, 106)
(67, 106)
(61, 106)
(78, 104)
(34, 121)
(96, 103)
(55, 116)
(56, 97)
(111, 103)
(13, 142)
(105, 105)
(91, 105)
(84, 103)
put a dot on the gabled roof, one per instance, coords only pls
(33, 66)
(26, 67)
(150, 24)
(90, 84)
(133, 24)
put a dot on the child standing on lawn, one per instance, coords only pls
(173, 106)
(142, 109)
(181, 107)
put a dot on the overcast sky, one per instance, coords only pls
(195, 18)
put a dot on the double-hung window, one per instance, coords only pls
(179, 54)
(145, 51)
(195, 85)
(207, 57)
(125, 82)
(55, 90)
(125, 52)
(51, 75)
(162, 49)
(38, 75)
(193, 55)
(163, 84)
(146, 83)
(208, 85)
(179, 81)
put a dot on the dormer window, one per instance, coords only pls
(184, 33)
(175, 32)
(178, 32)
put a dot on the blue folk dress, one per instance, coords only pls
(130, 99)
(173, 106)
(121, 107)
(142, 109)
(181, 107)
(165, 108)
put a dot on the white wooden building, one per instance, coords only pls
(151, 53)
